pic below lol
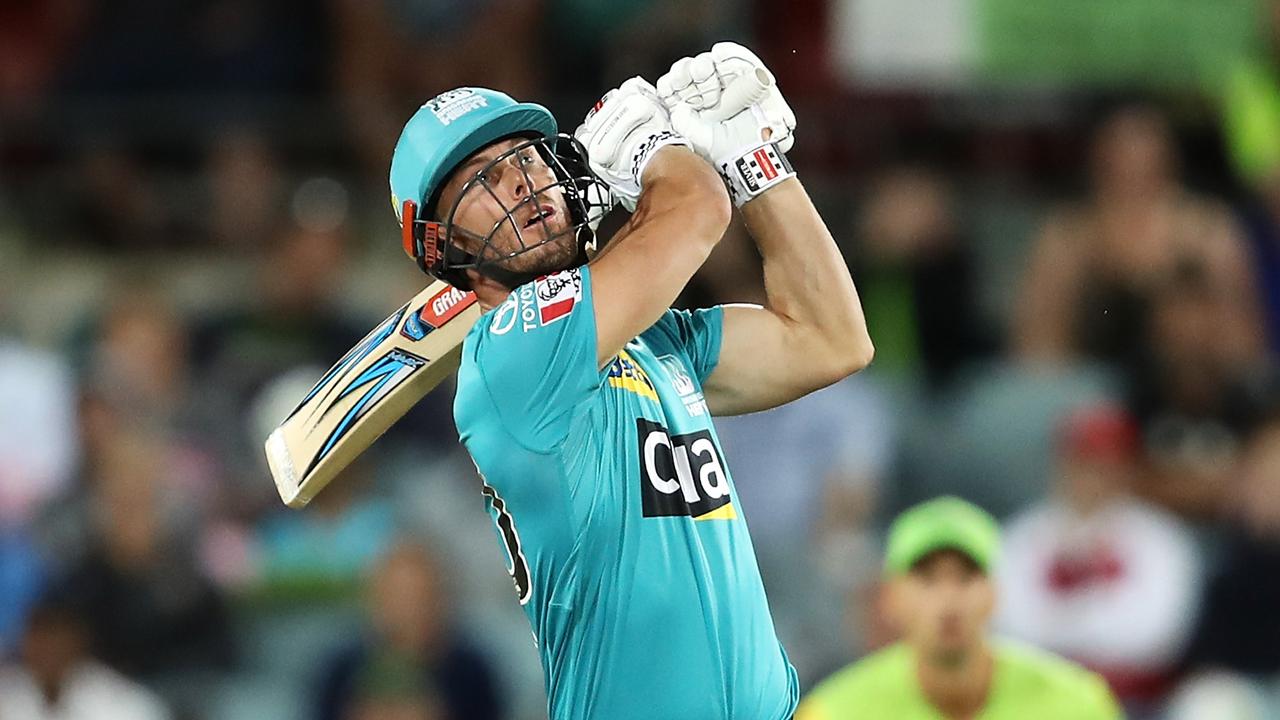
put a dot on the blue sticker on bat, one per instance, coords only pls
(377, 382)
(415, 328)
(353, 357)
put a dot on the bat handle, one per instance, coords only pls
(741, 93)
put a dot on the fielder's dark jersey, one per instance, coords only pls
(617, 512)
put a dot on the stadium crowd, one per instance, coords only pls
(1076, 311)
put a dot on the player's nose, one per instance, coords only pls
(515, 184)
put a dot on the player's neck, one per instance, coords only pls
(490, 294)
(958, 687)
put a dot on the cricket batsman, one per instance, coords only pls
(586, 402)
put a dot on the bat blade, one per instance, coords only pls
(372, 386)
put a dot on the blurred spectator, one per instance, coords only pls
(1188, 394)
(600, 43)
(390, 705)
(413, 663)
(1218, 695)
(290, 316)
(119, 203)
(57, 679)
(37, 429)
(138, 355)
(150, 609)
(916, 278)
(22, 575)
(939, 596)
(245, 189)
(380, 72)
(135, 381)
(34, 43)
(1097, 575)
(1238, 629)
(816, 463)
(320, 556)
(1088, 289)
(1251, 114)
(236, 49)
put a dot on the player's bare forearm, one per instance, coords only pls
(682, 191)
(678, 220)
(812, 332)
(807, 284)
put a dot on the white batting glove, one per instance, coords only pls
(728, 104)
(622, 133)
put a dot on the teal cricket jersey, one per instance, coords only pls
(617, 514)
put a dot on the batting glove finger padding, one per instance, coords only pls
(743, 128)
(622, 133)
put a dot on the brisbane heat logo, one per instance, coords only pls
(451, 105)
(682, 475)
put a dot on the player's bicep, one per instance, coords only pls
(764, 362)
(636, 280)
(682, 214)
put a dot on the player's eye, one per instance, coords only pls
(528, 158)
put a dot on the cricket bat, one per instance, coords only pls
(371, 387)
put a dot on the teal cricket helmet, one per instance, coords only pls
(443, 133)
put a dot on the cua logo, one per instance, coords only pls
(680, 474)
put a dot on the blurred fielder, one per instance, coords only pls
(586, 401)
(941, 597)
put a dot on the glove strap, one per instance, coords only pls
(751, 173)
(646, 149)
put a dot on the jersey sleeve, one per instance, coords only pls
(536, 356)
(698, 333)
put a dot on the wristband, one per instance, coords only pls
(645, 151)
(750, 173)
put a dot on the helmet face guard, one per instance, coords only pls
(447, 251)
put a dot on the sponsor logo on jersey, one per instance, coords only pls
(557, 294)
(504, 318)
(539, 303)
(693, 401)
(451, 105)
(682, 475)
(625, 374)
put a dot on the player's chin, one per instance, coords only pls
(547, 255)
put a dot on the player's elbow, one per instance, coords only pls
(850, 354)
(686, 193)
(861, 354)
(707, 202)
(827, 361)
